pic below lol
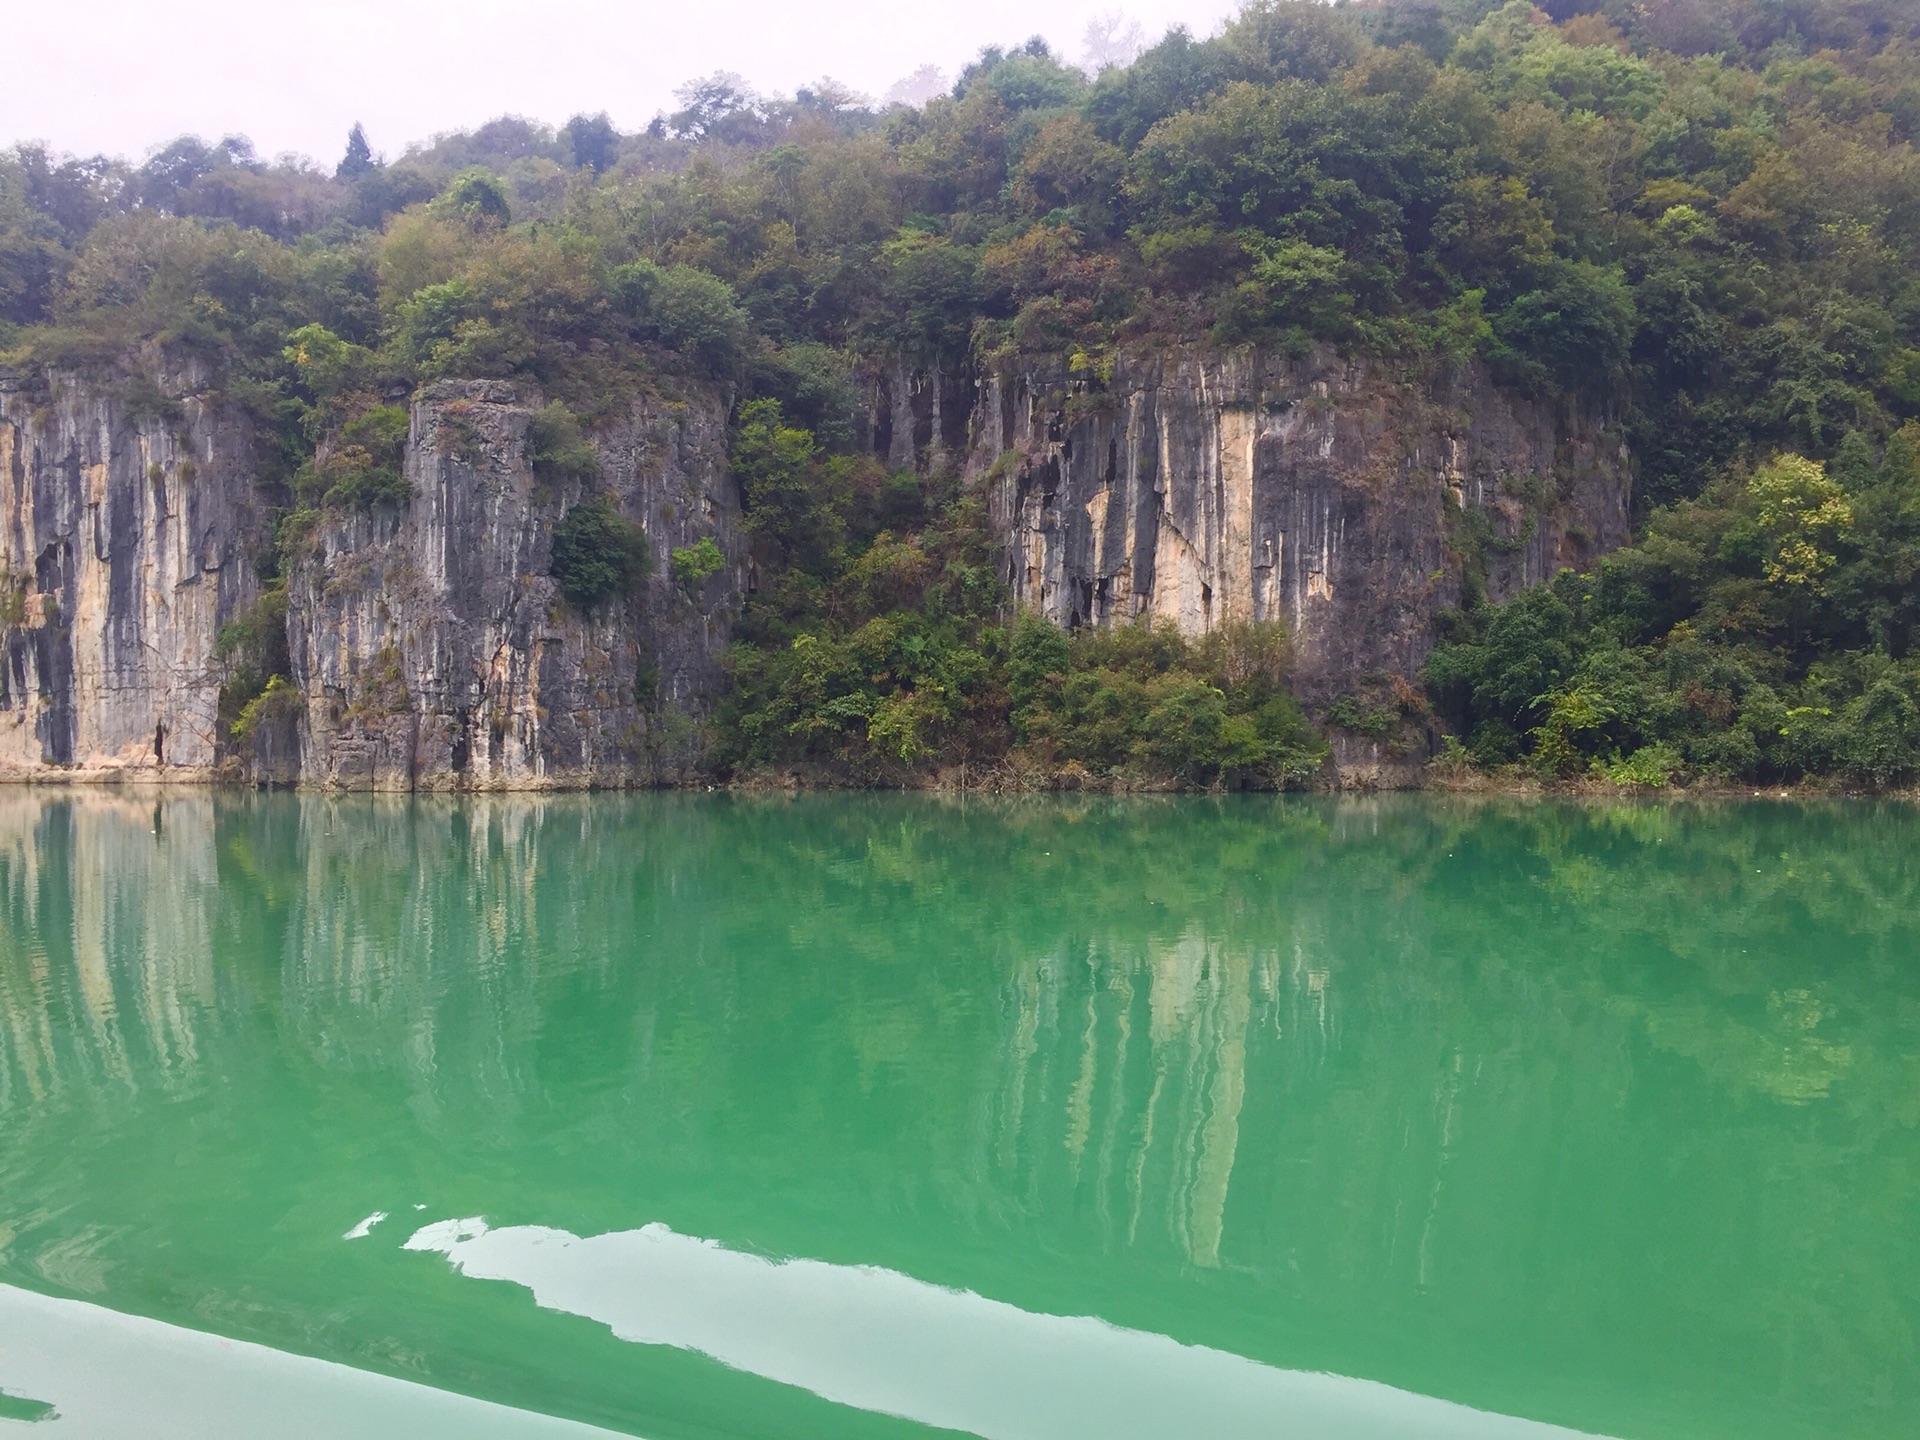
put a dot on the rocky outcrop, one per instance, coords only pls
(1350, 499)
(432, 646)
(429, 647)
(128, 526)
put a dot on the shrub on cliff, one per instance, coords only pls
(280, 700)
(364, 465)
(13, 599)
(252, 649)
(557, 448)
(694, 565)
(597, 553)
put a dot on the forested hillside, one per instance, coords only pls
(1700, 218)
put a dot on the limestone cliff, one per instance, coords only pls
(431, 644)
(429, 648)
(1350, 499)
(128, 521)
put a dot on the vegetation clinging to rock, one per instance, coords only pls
(597, 553)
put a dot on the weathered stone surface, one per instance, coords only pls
(1340, 496)
(128, 522)
(1349, 499)
(428, 641)
(432, 645)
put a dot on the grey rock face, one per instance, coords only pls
(128, 522)
(431, 643)
(431, 649)
(428, 642)
(1347, 499)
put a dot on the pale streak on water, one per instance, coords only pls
(882, 1341)
(109, 1376)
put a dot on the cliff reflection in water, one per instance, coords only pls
(1600, 1116)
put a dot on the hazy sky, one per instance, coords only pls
(122, 76)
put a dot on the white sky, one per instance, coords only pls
(123, 76)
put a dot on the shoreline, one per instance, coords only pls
(996, 782)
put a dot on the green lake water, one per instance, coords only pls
(1602, 1118)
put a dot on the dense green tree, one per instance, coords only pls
(478, 197)
(598, 553)
(359, 157)
(593, 142)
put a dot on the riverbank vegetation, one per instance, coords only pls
(1703, 219)
(1761, 631)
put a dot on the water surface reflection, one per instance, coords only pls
(886, 1342)
(1601, 1117)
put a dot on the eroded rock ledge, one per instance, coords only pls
(1350, 499)
(429, 648)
